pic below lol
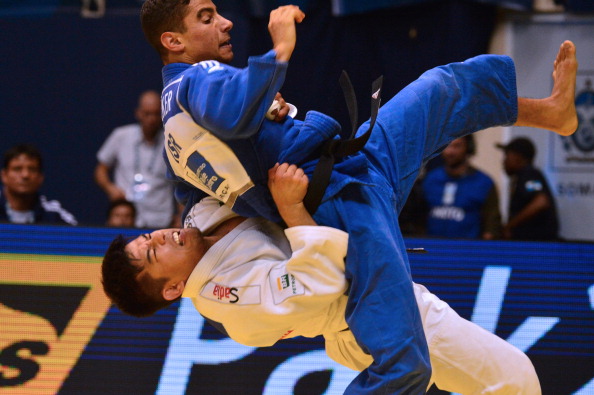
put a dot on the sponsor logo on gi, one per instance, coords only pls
(282, 282)
(205, 172)
(174, 147)
(284, 285)
(229, 294)
(286, 281)
(211, 65)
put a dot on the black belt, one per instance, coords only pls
(335, 149)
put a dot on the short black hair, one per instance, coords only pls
(22, 149)
(121, 202)
(125, 284)
(470, 144)
(160, 16)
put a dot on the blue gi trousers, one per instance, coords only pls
(443, 104)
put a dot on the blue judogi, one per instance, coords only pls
(219, 143)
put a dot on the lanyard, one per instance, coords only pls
(151, 165)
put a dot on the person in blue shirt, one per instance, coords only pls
(218, 142)
(462, 200)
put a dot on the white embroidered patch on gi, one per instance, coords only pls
(284, 285)
(230, 294)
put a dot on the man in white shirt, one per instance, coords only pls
(134, 154)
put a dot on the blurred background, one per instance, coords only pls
(72, 71)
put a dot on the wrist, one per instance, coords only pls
(296, 215)
(283, 52)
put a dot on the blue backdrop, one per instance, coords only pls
(67, 81)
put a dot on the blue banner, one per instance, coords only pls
(58, 331)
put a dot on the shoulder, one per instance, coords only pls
(435, 174)
(193, 77)
(481, 176)
(206, 69)
(531, 173)
(534, 172)
(532, 180)
(127, 132)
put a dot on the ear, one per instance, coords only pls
(171, 42)
(173, 291)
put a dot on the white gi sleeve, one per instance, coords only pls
(318, 262)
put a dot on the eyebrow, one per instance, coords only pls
(204, 10)
(148, 250)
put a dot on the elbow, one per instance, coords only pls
(542, 202)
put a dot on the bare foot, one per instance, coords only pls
(556, 112)
(563, 95)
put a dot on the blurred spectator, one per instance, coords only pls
(532, 211)
(121, 213)
(133, 153)
(413, 216)
(20, 201)
(462, 200)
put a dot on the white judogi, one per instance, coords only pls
(264, 286)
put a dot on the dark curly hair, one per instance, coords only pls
(160, 16)
(23, 149)
(134, 292)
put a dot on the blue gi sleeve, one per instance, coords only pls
(231, 102)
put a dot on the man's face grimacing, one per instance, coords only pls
(207, 33)
(168, 254)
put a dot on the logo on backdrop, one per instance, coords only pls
(583, 138)
(575, 153)
(60, 320)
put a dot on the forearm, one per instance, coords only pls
(282, 30)
(538, 204)
(288, 187)
(102, 177)
(491, 217)
(296, 215)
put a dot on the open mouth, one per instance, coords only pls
(177, 239)
(225, 44)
